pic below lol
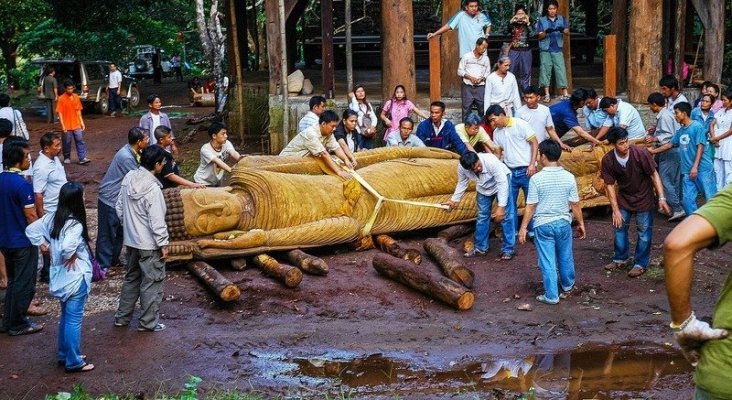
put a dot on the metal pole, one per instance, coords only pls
(349, 48)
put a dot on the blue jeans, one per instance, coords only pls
(705, 182)
(78, 137)
(554, 249)
(644, 226)
(519, 180)
(69, 329)
(109, 236)
(668, 168)
(115, 102)
(483, 224)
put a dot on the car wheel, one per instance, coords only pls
(140, 65)
(102, 105)
(134, 97)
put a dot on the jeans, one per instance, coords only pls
(521, 67)
(668, 168)
(20, 265)
(365, 143)
(78, 137)
(143, 280)
(644, 226)
(69, 328)
(554, 249)
(115, 102)
(109, 236)
(483, 224)
(705, 183)
(472, 95)
(519, 180)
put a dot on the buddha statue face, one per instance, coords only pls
(212, 210)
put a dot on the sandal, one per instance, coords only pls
(86, 367)
(32, 328)
(506, 256)
(547, 98)
(636, 271)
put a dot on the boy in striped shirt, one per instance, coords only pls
(552, 192)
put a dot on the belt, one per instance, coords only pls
(515, 168)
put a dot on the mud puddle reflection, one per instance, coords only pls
(626, 370)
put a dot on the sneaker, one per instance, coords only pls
(566, 293)
(543, 299)
(475, 253)
(636, 271)
(677, 216)
(614, 266)
(67, 161)
(113, 114)
(84, 161)
(157, 328)
(120, 324)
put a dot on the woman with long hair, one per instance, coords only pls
(366, 117)
(396, 109)
(64, 234)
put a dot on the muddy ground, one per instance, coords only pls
(355, 334)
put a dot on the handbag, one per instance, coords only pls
(366, 128)
(98, 274)
(19, 128)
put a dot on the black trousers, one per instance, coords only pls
(21, 267)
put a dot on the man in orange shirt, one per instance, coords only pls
(69, 109)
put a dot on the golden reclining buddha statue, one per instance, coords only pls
(282, 203)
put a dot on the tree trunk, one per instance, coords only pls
(433, 285)
(326, 29)
(287, 274)
(711, 13)
(449, 49)
(238, 54)
(309, 264)
(566, 49)
(619, 28)
(449, 261)
(644, 49)
(214, 281)
(397, 66)
(253, 27)
(456, 231)
(391, 246)
(274, 48)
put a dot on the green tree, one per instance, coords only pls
(20, 16)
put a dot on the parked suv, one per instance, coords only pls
(90, 79)
(141, 65)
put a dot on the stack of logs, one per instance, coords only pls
(401, 264)
(289, 275)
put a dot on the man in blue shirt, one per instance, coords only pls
(564, 116)
(17, 210)
(697, 171)
(439, 132)
(470, 23)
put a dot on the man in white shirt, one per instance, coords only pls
(115, 80)
(621, 114)
(539, 117)
(214, 156)
(502, 89)
(518, 143)
(669, 88)
(317, 106)
(405, 138)
(492, 181)
(318, 141)
(594, 115)
(474, 68)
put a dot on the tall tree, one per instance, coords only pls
(213, 40)
(644, 49)
(20, 16)
(711, 13)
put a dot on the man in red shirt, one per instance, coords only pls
(69, 109)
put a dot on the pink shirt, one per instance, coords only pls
(398, 110)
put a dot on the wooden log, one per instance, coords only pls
(644, 49)
(609, 67)
(450, 53)
(456, 231)
(449, 261)
(287, 274)
(239, 264)
(214, 281)
(307, 263)
(433, 285)
(435, 73)
(388, 245)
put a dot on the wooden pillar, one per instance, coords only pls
(609, 67)
(274, 50)
(644, 48)
(326, 25)
(564, 11)
(449, 53)
(679, 38)
(435, 70)
(397, 67)
(619, 28)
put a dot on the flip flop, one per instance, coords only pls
(86, 367)
(32, 328)
(506, 256)
(547, 99)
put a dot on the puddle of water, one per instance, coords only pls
(603, 372)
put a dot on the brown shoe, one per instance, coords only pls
(636, 271)
(613, 266)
